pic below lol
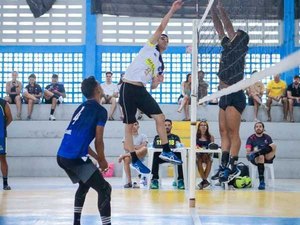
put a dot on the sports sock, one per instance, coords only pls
(5, 181)
(134, 157)
(166, 147)
(79, 201)
(225, 158)
(261, 170)
(233, 162)
(52, 111)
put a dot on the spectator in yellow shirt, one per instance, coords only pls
(276, 94)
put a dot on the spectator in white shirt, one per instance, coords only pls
(111, 93)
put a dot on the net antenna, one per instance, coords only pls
(197, 25)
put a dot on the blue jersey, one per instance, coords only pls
(82, 129)
(2, 126)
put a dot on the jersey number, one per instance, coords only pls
(76, 117)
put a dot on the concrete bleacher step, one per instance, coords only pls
(32, 145)
(209, 112)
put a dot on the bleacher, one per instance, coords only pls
(32, 145)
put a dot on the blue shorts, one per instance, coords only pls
(2, 146)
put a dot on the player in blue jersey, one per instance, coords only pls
(87, 123)
(147, 66)
(5, 120)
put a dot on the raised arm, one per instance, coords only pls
(175, 6)
(226, 21)
(217, 23)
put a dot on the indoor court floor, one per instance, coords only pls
(41, 201)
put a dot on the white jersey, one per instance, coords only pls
(110, 89)
(145, 66)
(138, 139)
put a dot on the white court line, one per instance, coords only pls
(195, 217)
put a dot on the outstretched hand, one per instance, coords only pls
(177, 5)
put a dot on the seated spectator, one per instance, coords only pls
(276, 94)
(110, 94)
(184, 99)
(173, 141)
(202, 85)
(255, 93)
(13, 91)
(54, 94)
(260, 149)
(204, 160)
(140, 142)
(32, 94)
(293, 94)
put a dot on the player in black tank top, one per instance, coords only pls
(231, 70)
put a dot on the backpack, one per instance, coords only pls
(244, 169)
(244, 180)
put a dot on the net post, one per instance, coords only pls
(194, 91)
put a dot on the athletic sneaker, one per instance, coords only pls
(228, 175)
(128, 185)
(216, 176)
(52, 118)
(262, 186)
(180, 184)
(205, 184)
(135, 185)
(154, 184)
(140, 167)
(6, 188)
(170, 157)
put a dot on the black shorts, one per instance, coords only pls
(133, 97)
(236, 99)
(270, 161)
(49, 101)
(13, 97)
(77, 169)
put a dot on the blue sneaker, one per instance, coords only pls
(228, 175)
(262, 186)
(216, 176)
(140, 167)
(170, 157)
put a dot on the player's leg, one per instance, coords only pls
(103, 189)
(147, 104)
(260, 160)
(225, 141)
(4, 170)
(79, 201)
(129, 94)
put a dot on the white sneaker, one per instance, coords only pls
(52, 118)
(60, 99)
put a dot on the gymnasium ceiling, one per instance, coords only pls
(237, 9)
